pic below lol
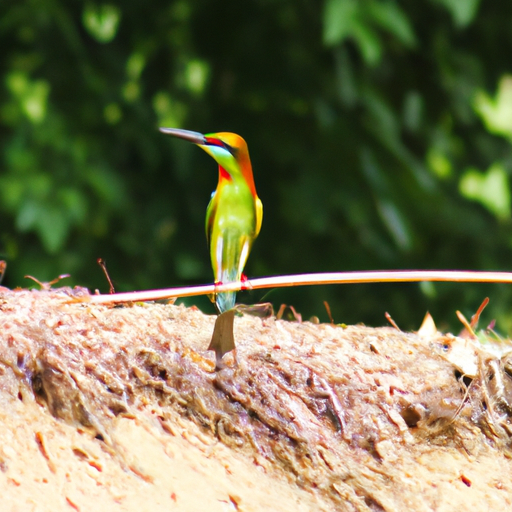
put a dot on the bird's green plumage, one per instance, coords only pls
(231, 229)
(234, 214)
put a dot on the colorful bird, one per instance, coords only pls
(235, 212)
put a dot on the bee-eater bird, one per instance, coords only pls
(235, 212)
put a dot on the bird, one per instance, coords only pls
(235, 212)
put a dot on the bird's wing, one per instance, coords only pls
(210, 216)
(259, 215)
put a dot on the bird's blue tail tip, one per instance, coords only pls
(225, 301)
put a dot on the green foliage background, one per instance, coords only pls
(379, 131)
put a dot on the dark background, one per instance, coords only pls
(379, 132)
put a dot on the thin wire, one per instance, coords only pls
(380, 276)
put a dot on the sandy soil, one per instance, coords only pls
(121, 409)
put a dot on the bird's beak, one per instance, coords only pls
(195, 137)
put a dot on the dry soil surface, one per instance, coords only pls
(122, 409)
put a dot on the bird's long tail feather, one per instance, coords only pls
(231, 253)
(226, 300)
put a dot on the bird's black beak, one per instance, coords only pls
(195, 137)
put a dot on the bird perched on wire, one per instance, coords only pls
(233, 220)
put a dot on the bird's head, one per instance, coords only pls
(229, 150)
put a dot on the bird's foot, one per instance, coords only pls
(216, 283)
(246, 284)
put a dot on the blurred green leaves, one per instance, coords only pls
(497, 112)
(196, 76)
(491, 189)
(52, 217)
(362, 21)
(380, 133)
(29, 97)
(101, 21)
(170, 112)
(462, 11)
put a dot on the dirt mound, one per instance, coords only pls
(121, 407)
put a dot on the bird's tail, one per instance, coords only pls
(226, 300)
(229, 260)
